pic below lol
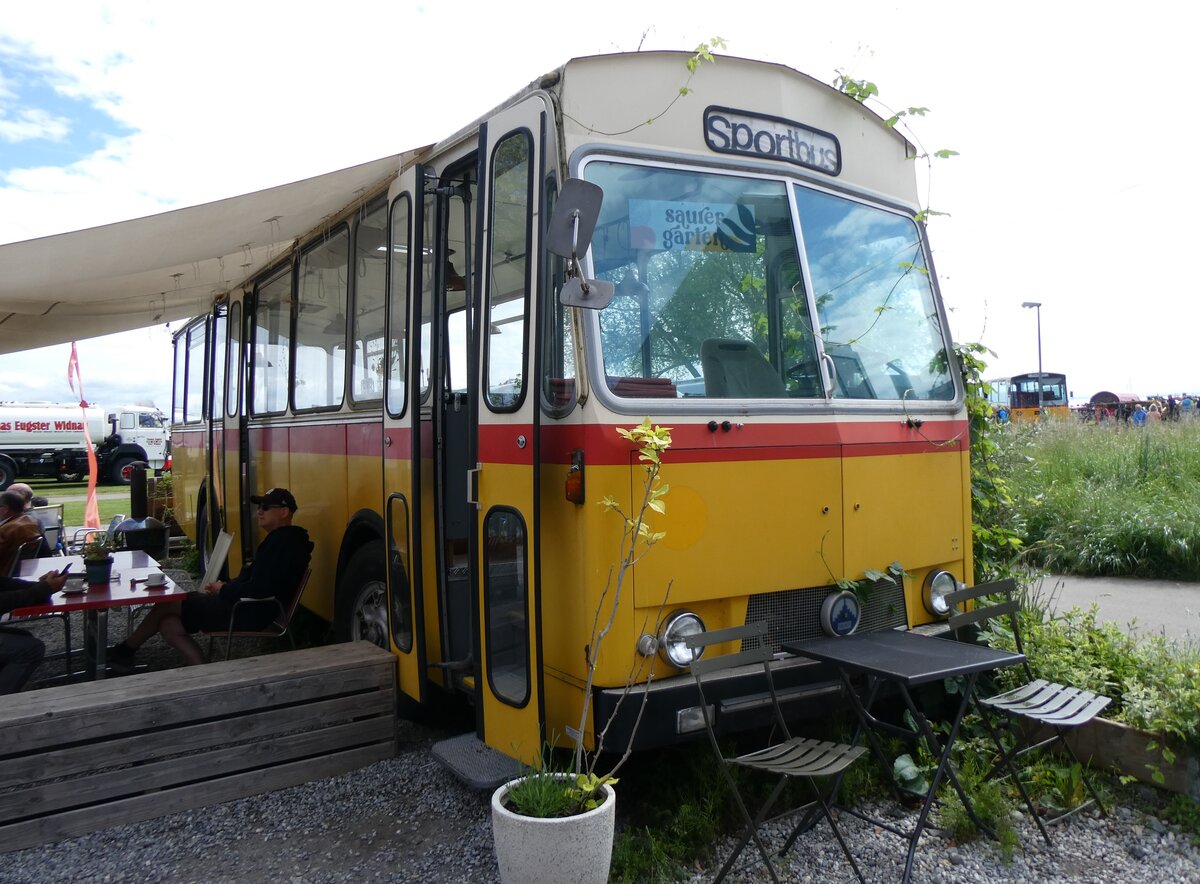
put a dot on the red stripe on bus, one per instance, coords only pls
(692, 443)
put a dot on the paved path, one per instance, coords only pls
(1153, 607)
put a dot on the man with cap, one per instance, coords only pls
(278, 565)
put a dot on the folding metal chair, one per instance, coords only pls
(277, 628)
(1054, 706)
(30, 550)
(790, 757)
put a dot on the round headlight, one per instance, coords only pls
(671, 639)
(937, 585)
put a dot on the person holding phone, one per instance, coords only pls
(20, 652)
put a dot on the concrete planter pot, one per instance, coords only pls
(566, 850)
(1104, 743)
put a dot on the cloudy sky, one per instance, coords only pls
(1073, 186)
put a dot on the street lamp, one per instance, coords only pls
(1037, 305)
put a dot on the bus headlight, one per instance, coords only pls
(671, 637)
(937, 585)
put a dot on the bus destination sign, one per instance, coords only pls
(734, 131)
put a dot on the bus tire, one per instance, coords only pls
(361, 605)
(118, 474)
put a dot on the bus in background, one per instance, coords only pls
(1036, 395)
(434, 385)
(998, 392)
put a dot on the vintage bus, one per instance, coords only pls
(446, 416)
(1038, 394)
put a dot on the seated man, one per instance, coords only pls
(20, 652)
(278, 565)
(16, 528)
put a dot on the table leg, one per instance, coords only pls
(944, 767)
(95, 642)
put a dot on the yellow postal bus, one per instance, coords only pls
(440, 388)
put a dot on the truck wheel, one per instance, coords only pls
(120, 473)
(8, 473)
(361, 605)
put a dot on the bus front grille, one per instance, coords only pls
(794, 615)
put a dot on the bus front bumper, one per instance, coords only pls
(738, 700)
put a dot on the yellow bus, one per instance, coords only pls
(1038, 395)
(424, 374)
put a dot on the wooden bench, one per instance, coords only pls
(82, 757)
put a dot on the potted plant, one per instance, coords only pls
(97, 558)
(558, 826)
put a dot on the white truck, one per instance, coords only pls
(46, 439)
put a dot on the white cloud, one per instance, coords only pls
(33, 123)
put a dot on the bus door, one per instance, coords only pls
(405, 605)
(229, 495)
(225, 383)
(505, 443)
(441, 294)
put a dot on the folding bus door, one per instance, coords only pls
(505, 449)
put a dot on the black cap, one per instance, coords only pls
(275, 497)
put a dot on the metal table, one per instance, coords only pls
(907, 660)
(129, 590)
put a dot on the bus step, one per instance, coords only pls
(475, 764)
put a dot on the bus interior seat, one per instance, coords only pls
(735, 369)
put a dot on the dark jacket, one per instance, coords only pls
(16, 593)
(278, 565)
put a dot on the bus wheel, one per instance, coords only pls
(362, 598)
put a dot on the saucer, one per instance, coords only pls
(74, 590)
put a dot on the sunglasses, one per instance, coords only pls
(271, 506)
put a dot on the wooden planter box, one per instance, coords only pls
(1104, 743)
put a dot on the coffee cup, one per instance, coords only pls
(156, 578)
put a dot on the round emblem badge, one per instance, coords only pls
(840, 613)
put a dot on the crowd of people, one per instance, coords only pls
(1152, 410)
(279, 563)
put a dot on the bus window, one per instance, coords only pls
(508, 277)
(370, 272)
(180, 379)
(321, 323)
(699, 263)
(398, 319)
(272, 348)
(878, 319)
(235, 367)
(505, 592)
(194, 404)
(215, 406)
(558, 343)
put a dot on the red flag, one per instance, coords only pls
(91, 512)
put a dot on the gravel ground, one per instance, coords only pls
(407, 819)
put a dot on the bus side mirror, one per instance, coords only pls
(569, 233)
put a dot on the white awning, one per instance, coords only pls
(164, 267)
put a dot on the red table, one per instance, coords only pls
(129, 589)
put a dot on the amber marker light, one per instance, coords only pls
(574, 482)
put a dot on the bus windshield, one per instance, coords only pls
(711, 301)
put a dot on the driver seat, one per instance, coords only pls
(735, 369)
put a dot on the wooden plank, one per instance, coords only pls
(125, 750)
(190, 679)
(143, 807)
(92, 723)
(160, 775)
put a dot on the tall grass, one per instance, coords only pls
(1108, 500)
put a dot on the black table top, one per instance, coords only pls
(907, 657)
